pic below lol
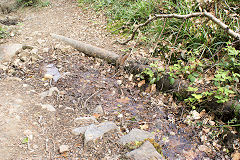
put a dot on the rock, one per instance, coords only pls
(145, 152)
(93, 132)
(51, 72)
(8, 51)
(119, 82)
(212, 123)
(195, 115)
(49, 92)
(204, 148)
(34, 51)
(13, 79)
(63, 148)
(79, 130)
(29, 134)
(41, 41)
(85, 120)
(135, 135)
(46, 50)
(99, 110)
(49, 107)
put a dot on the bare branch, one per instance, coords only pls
(222, 25)
(197, 14)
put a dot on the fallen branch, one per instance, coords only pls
(197, 14)
(89, 49)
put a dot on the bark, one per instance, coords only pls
(89, 49)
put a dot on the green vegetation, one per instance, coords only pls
(194, 49)
(26, 3)
(3, 33)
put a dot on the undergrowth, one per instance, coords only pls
(25, 3)
(3, 33)
(195, 49)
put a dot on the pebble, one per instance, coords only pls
(195, 115)
(85, 120)
(204, 148)
(99, 110)
(49, 107)
(63, 148)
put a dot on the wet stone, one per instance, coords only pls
(135, 135)
(145, 152)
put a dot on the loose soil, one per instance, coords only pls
(87, 83)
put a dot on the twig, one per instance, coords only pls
(85, 103)
(197, 14)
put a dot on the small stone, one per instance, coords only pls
(63, 148)
(119, 82)
(49, 107)
(85, 120)
(14, 79)
(12, 34)
(29, 134)
(212, 123)
(195, 115)
(135, 135)
(35, 147)
(99, 110)
(46, 50)
(34, 51)
(25, 85)
(48, 76)
(204, 148)
(69, 108)
(145, 152)
(40, 41)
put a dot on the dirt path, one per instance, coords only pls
(28, 130)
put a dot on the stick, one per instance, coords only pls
(197, 14)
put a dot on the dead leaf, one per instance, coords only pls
(153, 88)
(141, 83)
(96, 115)
(123, 100)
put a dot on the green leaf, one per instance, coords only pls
(192, 89)
(197, 96)
(171, 80)
(25, 140)
(191, 78)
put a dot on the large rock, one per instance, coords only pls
(8, 51)
(145, 152)
(94, 132)
(135, 135)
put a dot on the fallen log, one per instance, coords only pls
(89, 49)
(115, 59)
